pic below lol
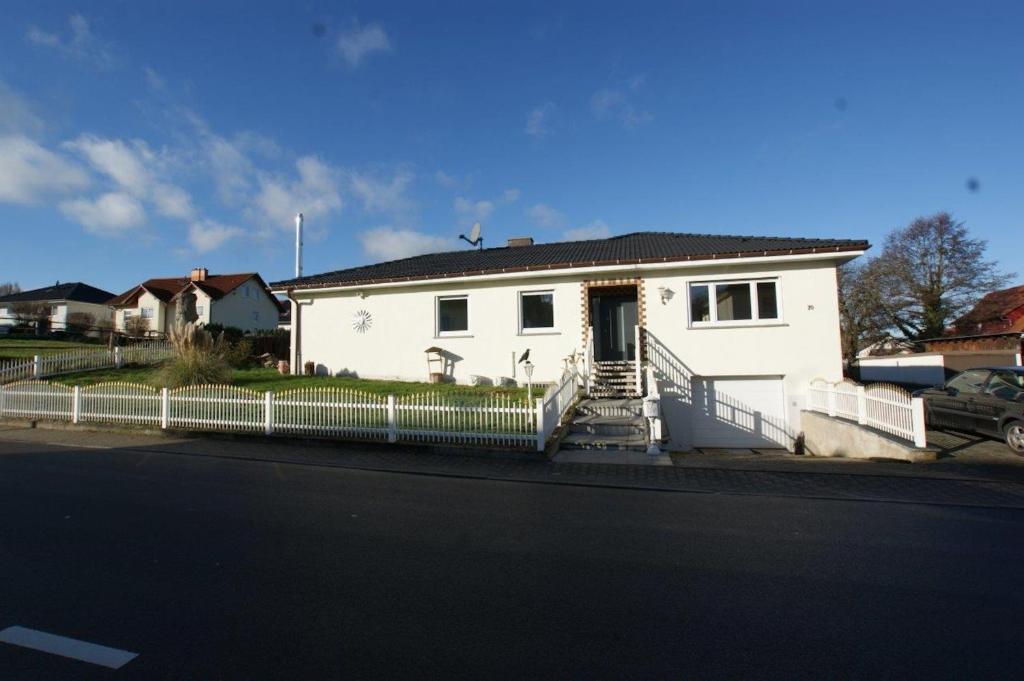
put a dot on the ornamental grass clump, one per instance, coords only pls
(199, 358)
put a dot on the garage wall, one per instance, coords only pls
(803, 345)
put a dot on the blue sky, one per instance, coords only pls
(140, 139)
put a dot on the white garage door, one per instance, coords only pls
(739, 412)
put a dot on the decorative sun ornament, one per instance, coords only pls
(362, 321)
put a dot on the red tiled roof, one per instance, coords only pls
(997, 311)
(215, 285)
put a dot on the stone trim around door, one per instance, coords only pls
(641, 306)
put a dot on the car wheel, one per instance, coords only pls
(1014, 436)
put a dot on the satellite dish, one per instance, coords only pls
(474, 238)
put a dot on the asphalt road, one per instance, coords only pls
(213, 568)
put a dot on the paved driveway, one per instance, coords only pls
(972, 448)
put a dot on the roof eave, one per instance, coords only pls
(846, 252)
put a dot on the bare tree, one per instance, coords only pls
(81, 322)
(928, 274)
(861, 320)
(9, 287)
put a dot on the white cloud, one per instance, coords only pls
(16, 115)
(537, 124)
(111, 214)
(124, 163)
(445, 180)
(361, 41)
(510, 195)
(598, 229)
(315, 193)
(28, 171)
(388, 243)
(135, 169)
(544, 215)
(383, 196)
(208, 235)
(154, 80)
(81, 44)
(618, 103)
(469, 211)
(171, 201)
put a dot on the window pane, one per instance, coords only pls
(538, 311)
(733, 301)
(1006, 385)
(969, 381)
(767, 305)
(452, 314)
(700, 310)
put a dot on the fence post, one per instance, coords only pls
(392, 422)
(831, 399)
(3, 394)
(165, 408)
(862, 406)
(268, 413)
(118, 357)
(541, 440)
(76, 404)
(917, 411)
(37, 367)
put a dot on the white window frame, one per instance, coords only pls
(144, 310)
(713, 303)
(537, 329)
(199, 310)
(437, 316)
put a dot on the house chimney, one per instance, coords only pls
(518, 241)
(199, 274)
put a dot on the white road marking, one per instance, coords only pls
(112, 658)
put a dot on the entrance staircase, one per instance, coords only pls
(611, 423)
(614, 380)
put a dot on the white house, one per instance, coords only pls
(62, 302)
(735, 328)
(239, 300)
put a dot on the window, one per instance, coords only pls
(969, 382)
(452, 315)
(127, 314)
(733, 302)
(255, 315)
(199, 310)
(1006, 385)
(536, 311)
(146, 312)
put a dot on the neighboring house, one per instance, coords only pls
(239, 300)
(998, 312)
(991, 334)
(284, 321)
(735, 328)
(889, 346)
(58, 302)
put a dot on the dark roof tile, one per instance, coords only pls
(636, 248)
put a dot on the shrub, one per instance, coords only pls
(240, 355)
(231, 334)
(198, 358)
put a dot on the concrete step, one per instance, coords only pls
(615, 406)
(625, 443)
(594, 424)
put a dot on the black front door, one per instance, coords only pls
(613, 315)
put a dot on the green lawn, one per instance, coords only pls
(26, 348)
(262, 380)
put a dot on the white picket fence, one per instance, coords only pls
(496, 420)
(85, 359)
(883, 406)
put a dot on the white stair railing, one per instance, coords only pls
(589, 367)
(636, 361)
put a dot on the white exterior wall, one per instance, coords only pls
(803, 345)
(236, 309)
(159, 319)
(403, 327)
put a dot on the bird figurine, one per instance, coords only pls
(526, 356)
